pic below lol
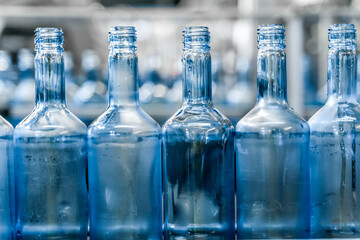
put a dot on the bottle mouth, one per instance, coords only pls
(122, 37)
(271, 34)
(196, 31)
(342, 34)
(48, 38)
(196, 37)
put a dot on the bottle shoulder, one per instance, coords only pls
(197, 118)
(6, 129)
(331, 115)
(50, 121)
(117, 121)
(272, 118)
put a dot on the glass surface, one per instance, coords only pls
(198, 157)
(272, 164)
(335, 143)
(124, 145)
(50, 155)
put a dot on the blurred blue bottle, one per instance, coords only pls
(50, 154)
(242, 92)
(335, 144)
(6, 82)
(272, 143)
(6, 180)
(92, 90)
(24, 93)
(70, 81)
(198, 157)
(124, 145)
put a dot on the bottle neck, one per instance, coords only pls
(197, 76)
(49, 78)
(271, 76)
(123, 78)
(341, 85)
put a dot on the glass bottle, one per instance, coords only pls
(124, 154)
(198, 157)
(50, 154)
(6, 180)
(272, 163)
(335, 144)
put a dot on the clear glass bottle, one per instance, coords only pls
(124, 154)
(335, 144)
(50, 154)
(198, 157)
(6, 180)
(272, 143)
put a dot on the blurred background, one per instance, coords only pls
(159, 24)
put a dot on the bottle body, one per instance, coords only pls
(51, 195)
(334, 144)
(125, 176)
(334, 141)
(6, 180)
(50, 155)
(199, 176)
(272, 168)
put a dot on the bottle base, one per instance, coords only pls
(199, 233)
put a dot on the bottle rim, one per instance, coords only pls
(196, 31)
(48, 38)
(342, 35)
(196, 37)
(271, 28)
(342, 27)
(44, 32)
(122, 30)
(122, 37)
(271, 35)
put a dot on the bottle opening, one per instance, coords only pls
(49, 39)
(271, 35)
(196, 37)
(342, 35)
(122, 37)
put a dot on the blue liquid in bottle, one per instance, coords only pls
(50, 154)
(271, 142)
(335, 144)
(198, 164)
(124, 145)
